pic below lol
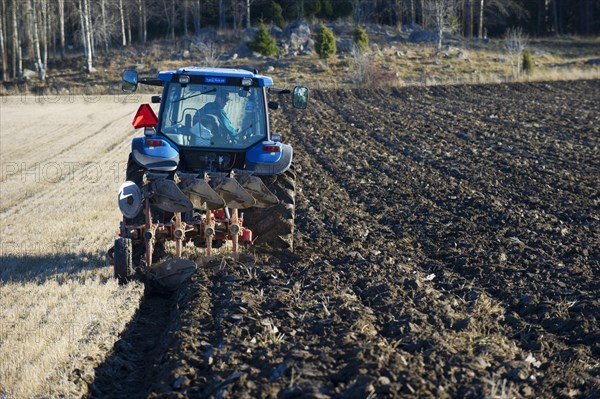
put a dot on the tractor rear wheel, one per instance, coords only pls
(123, 260)
(274, 227)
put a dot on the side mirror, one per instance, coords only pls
(129, 81)
(300, 97)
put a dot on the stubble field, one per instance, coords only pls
(447, 245)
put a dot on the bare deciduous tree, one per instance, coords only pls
(481, 7)
(17, 54)
(45, 17)
(61, 26)
(122, 20)
(221, 15)
(210, 53)
(196, 13)
(170, 17)
(362, 73)
(237, 12)
(36, 41)
(515, 42)
(442, 14)
(104, 25)
(84, 17)
(142, 19)
(2, 42)
(248, 16)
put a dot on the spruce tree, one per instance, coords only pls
(263, 42)
(528, 64)
(361, 40)
(325, 43)
(277, 14)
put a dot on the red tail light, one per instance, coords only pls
(271, 148)
(154, 143)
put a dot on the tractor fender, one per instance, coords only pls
(164, 157)
(260, 162)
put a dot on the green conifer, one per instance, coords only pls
(528, 64)
(361, 40)
(325, 43)
(277, 14)
(263, 42)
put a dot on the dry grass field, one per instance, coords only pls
(392, 61)
(60, 309)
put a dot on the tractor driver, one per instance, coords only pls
(217, 108)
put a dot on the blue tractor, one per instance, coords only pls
(208, 170)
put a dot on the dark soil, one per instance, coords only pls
(447, 245)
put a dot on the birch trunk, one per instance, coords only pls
(88, 21)
(15, 38)
(471, 18)
(52, 32)
(104, 28)
(20, 62)
(145, 31)
(3, 44)
(142, 32)
(197, 15)
(28, 27)
(481, 6)
(221, 15)
(61, 26)
(129, 29)
(248, 22)
(36, 42)
(140, 5)
(88, 35)
(82, 24)
(45, 34)
(123, 37)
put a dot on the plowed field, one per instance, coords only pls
(448, 245)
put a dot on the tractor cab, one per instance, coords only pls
(217, 119)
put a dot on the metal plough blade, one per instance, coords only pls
(168, 197)
(255, 186)
(173, 272)
(200, 193)
(232, 192)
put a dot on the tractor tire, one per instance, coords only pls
(135, 173)
(274, 227)
(123, 260)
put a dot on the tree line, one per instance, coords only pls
(32, 32)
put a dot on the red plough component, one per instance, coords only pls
(202, 230)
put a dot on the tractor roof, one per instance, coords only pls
(216, 72)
